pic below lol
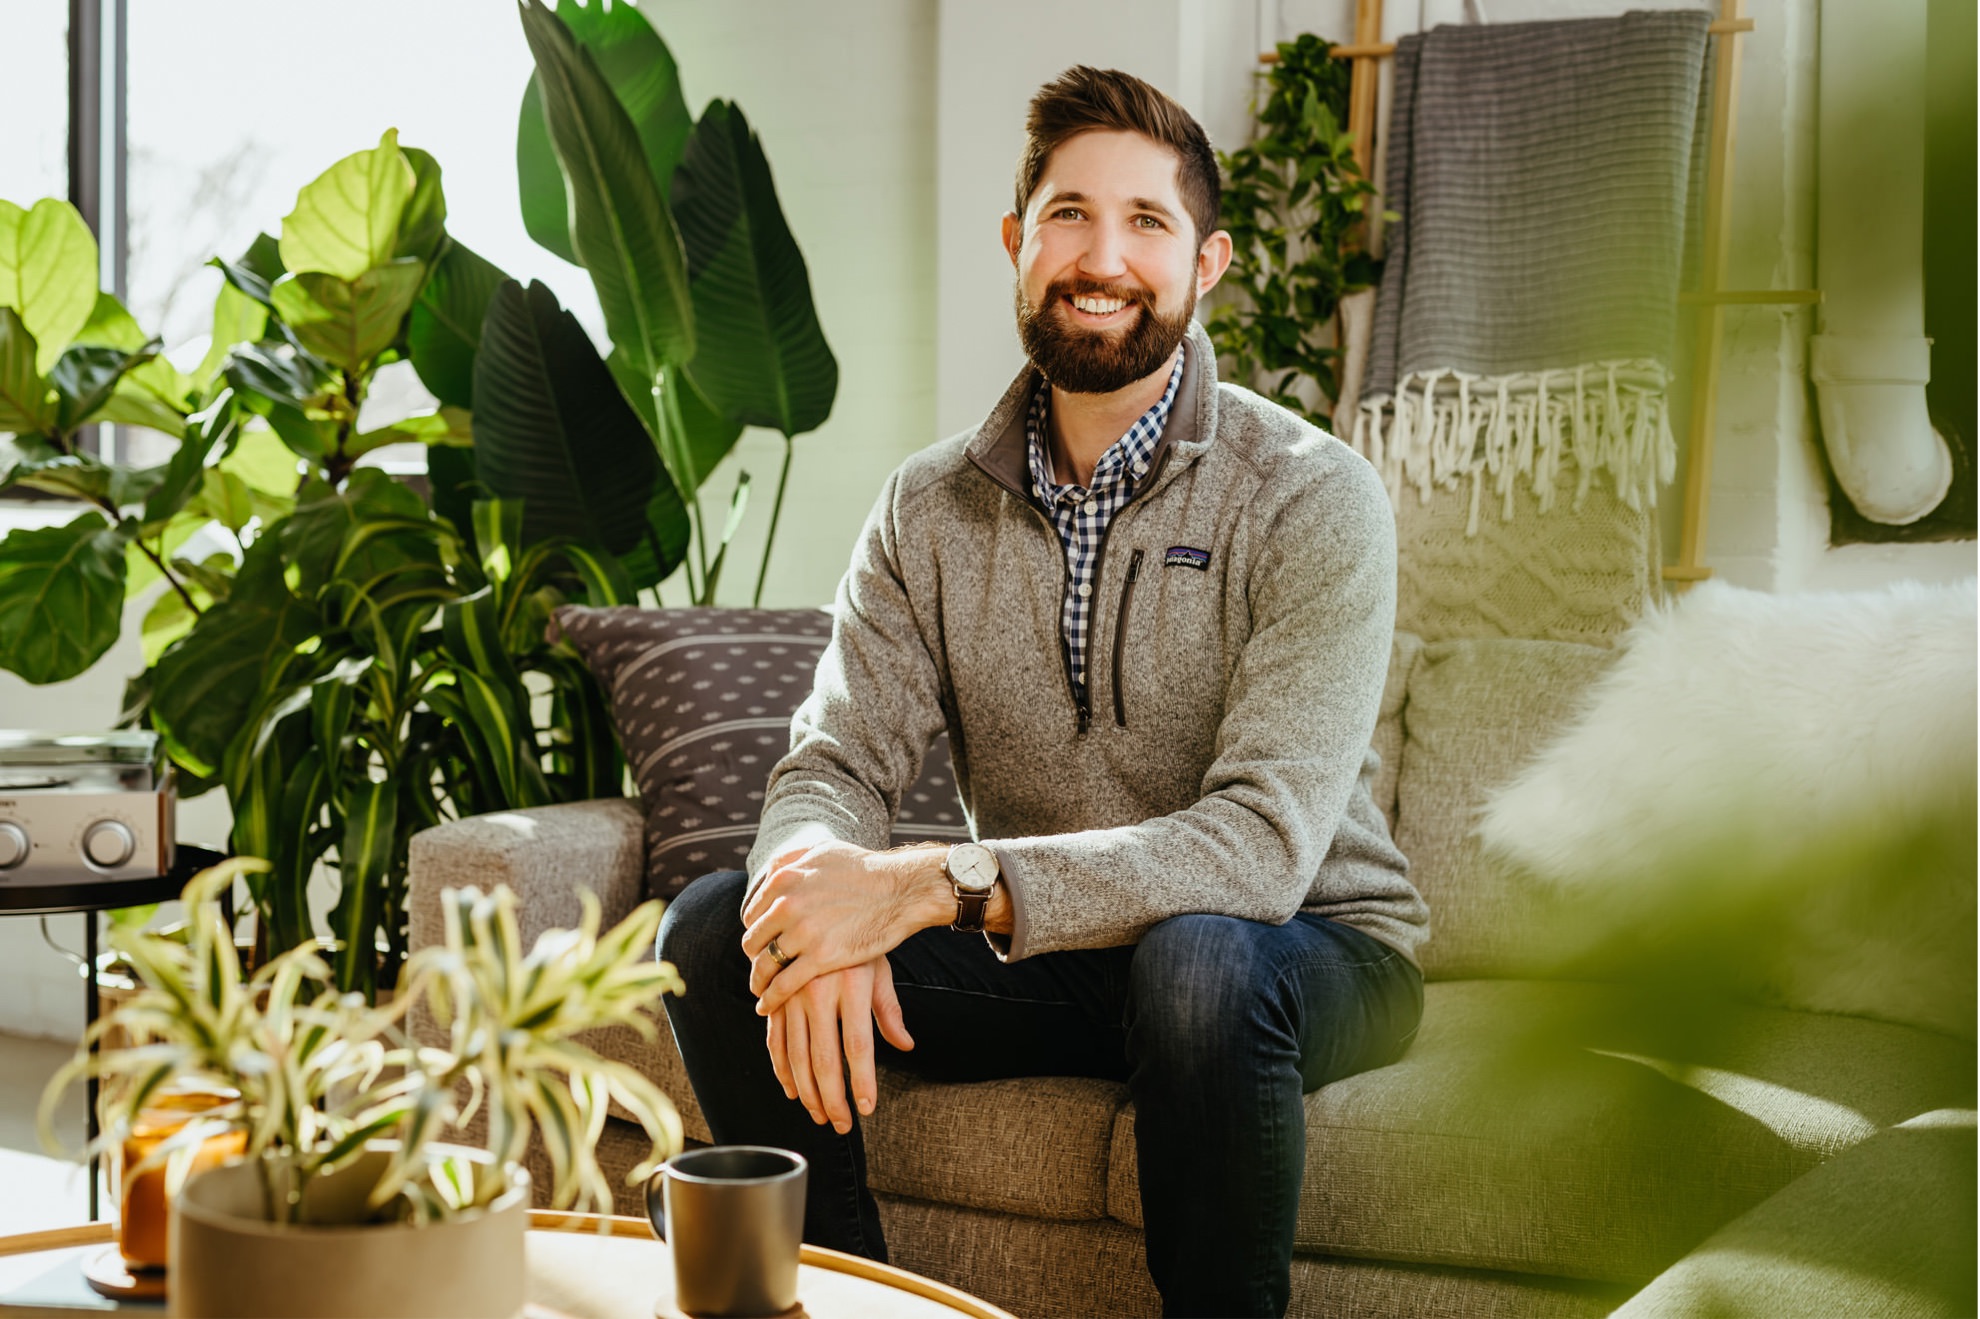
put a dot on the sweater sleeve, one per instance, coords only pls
(858, 739)
(1300, 710)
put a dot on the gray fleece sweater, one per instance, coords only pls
(1244, 605)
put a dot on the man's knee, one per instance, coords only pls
(702, 929)
(1198, 981)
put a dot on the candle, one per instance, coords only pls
(145, 1205)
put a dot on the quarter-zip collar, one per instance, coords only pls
(998, 448)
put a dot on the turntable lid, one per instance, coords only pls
(129, 746)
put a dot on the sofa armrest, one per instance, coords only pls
(545, 854)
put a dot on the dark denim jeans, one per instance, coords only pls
(1217, 1025)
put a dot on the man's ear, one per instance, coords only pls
(1014, 235)
(1212, 260)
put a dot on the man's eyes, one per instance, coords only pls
(1149, 222)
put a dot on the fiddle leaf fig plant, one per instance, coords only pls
(316, 1075)
(1294, 201)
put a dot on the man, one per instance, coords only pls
(1153, 613)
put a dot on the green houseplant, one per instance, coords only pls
(1293, 203)
(350, 660)
(705, 294)
(318, 1078)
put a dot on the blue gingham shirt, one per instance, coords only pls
(1082, 513)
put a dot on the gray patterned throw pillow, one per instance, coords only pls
(703, 700)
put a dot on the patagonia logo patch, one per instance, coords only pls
(1186, 556)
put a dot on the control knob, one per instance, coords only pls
(13, 845)
(108, 844)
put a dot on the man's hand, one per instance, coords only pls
(836, 906)
(804, 1038)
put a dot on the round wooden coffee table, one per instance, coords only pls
(588, 1266)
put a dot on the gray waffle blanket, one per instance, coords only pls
(1527, 311)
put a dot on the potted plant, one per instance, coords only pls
(346, 1176)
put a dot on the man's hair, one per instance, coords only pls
(1083, 99)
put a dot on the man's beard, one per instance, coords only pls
(1082, 361)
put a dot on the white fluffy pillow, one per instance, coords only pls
(1778, 792)
(1815, 708)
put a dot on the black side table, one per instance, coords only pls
(32, 899)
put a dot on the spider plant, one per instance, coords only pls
(317, 1075)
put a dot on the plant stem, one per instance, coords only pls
(776, 510)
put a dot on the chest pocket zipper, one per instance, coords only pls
(1120, 638)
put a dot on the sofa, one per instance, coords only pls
(1542, 1149)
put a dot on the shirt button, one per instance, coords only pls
(1079, 676)
(1085, 589)
(1141, 469)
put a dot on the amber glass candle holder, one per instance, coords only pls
(145, 1206)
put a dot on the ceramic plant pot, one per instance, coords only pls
(229, 1260)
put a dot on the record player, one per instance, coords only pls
(78, 807)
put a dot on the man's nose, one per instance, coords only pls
(1105, 256)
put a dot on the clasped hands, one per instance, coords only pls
(817, 932)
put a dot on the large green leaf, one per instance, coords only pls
(641, 72)
(348, 322)
(205, 686)
(620, 227)
(552, 430)
(346, 220)
(215, 425)
(423, 223)
(61, 597)
(48, 272)
(87, 374)
(761, 357)
(696, 437)
(445, 329)
(364, 857)
(25, 405)
(237, 319)
(112, 325)
(278, 385)
(258, 268)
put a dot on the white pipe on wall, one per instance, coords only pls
(1871, 360)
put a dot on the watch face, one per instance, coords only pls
(973, 867)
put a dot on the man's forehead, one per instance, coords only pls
(1107, 166)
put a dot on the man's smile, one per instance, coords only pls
(1095, 310)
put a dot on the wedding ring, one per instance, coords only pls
(778, 955)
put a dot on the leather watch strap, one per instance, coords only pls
(970, 910)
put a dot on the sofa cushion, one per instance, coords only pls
(1475, 712)
(702, 699)
(1885, 1229)
(1539, 1127)
(1388, 740)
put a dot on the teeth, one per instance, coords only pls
(1098, 306)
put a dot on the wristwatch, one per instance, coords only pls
(972, 870)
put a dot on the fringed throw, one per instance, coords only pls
(1440, 428)
(1527, 314)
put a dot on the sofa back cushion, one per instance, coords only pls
(1388, 740)
(703, 699)
(1473, 713)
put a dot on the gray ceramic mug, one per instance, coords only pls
(733, 1217)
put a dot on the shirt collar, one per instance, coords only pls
(1120, 460)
